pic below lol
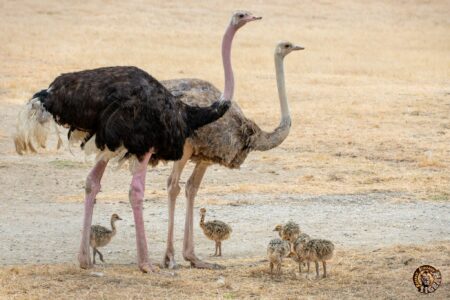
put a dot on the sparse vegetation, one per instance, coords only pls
(369, 99)
(352, 274)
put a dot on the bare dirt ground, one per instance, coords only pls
(366, 164)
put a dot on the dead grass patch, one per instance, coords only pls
(380, 273)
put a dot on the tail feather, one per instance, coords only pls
(33, 126)
(201, 116)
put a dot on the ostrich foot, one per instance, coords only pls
(147, 268)
(85, 262)
(169, 262)
(199, 264)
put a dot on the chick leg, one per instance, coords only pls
(100, 255)
(93, 255)
(216, 248)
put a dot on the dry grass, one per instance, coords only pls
(369, 95)
(382, 273)
(370, 103)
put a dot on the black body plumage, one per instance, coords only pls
(126, 106)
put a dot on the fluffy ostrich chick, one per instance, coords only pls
(302, 239)
(101, 236)
(314, 250)
(288, 232)
(276, 251)
(215, 230)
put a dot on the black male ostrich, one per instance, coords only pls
(126, 113)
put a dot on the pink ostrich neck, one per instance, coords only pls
(226, 58)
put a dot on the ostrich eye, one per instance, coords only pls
(241, 16)
(287, 46)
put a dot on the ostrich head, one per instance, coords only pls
(278, 228)
(284, 48)
(115, 217)
(242, 17)
(202, 211)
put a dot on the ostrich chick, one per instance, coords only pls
(276, 251)
(302, 239)
(215, 230)
(314, 250)
(288, 232)
(101, 236)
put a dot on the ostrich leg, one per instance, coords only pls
(93, 255)
(92, 189)
(173, 188)
(136, 196)
(188, 243)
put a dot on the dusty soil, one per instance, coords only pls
(366, 164)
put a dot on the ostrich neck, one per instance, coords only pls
(113, 227)
(226, 58)
(202, 221)
(269, 140)
(279, 68)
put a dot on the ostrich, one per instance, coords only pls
(101, 236)
(288, 232)
(295, 246)
(215, 230)
(122, 113)
(226, 142)
(276, 251)
(314, 250)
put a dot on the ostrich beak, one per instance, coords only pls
(119, 218)
(297, 47)
(253, 18)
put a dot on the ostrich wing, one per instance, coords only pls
(226, 141)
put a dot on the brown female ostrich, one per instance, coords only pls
(34, 122)
(215, 230)
(226, 142)
(101, 236)
(125, 113)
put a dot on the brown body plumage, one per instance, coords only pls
(228, 147)
(276, 251)
(101, 236)
(215, 230)
(313, 251)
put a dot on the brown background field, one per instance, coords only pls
(366, 163)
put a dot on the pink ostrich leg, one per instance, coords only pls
(136, 196)
(92, 189)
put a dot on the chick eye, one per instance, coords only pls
(241, 16)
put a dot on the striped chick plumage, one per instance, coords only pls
(215, 230)
(276, 251)
(101, 236)
(314, 250)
